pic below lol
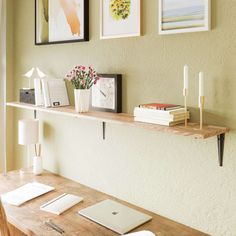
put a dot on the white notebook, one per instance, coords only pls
(25, 193)
(60, 204)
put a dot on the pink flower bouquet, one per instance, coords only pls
(82, 77)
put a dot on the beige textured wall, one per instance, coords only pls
(174, 176)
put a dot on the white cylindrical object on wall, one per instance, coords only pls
(28, 131)
(201, 84)
(186, 77)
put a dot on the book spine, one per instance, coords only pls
(157, 122)
(151, 112)
(46, 96)
(169, 119)
(160, 107)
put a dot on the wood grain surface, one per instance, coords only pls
(191, 130)
(4, 231)
(30, 220)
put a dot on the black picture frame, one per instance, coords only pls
(85, 26)
(117, 95)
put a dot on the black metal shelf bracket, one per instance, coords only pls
(35, 114)
(104, 130)
(220, 145)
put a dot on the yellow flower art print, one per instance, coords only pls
(120, 18)
(120, 9)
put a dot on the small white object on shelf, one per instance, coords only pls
(82, 97)
(55, 93)
(36, 74)
(201, 84)
(61, 203)
(186, 77)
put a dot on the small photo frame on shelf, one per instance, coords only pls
(106, 94)
(61, 21)
(183, 16)
(120, 18)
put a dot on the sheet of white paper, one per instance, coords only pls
(25, 193)
(141, 233)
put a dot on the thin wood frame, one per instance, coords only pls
(139, 33)
(85, 26)
(207, 26)
(117, 95)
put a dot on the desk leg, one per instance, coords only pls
(14, 231)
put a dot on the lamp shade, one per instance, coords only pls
(28, 131)
(34, 72)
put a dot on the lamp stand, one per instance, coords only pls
(27, 163)
(28, 157)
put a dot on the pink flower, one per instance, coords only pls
(82, 77)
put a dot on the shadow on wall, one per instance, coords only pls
(49, 135)
(208, 117)
(213, 14)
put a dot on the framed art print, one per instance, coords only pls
(106, 94)
(61, 21)
(120, 18)
(183, 16)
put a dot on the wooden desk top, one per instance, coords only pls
(29, 219)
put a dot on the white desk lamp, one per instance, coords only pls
(28, 134)
(34, 73)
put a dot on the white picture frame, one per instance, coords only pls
(129, 27)
(199, 22)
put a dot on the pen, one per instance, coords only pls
(54, 226)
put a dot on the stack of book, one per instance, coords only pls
(161, 114)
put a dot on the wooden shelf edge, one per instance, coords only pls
(192, 130)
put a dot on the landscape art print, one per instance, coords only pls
(120, 18)
(59, 21)
(178, 16)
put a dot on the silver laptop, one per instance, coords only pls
(115, 216)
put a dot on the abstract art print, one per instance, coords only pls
(182, 16)
(61, 21)
(120, 18)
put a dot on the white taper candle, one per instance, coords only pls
(201, 84)
(186, 77)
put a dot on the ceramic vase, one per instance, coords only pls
(82, 97)
(37, 165)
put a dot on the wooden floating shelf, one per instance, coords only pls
(192, 130)
(122, 118)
